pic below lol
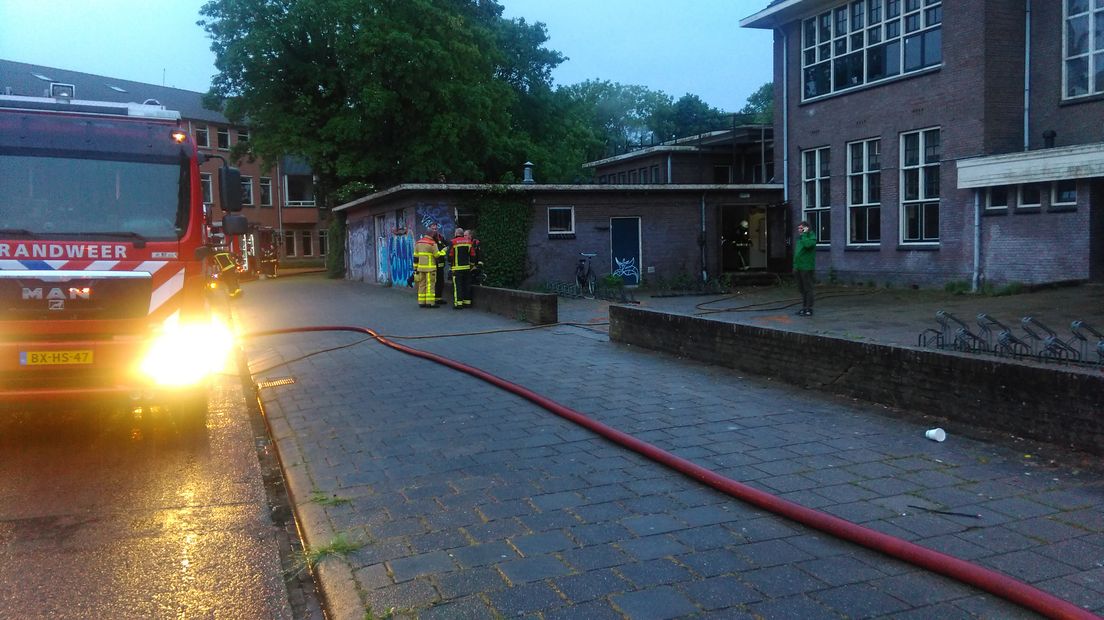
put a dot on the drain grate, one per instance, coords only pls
(275, 382)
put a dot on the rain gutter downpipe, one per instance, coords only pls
(976, 280)
(704, 274)
(1027, 75)
(785, 118)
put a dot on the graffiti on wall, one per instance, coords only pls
(360, 248)
(627, 269)
(382, 262)
(400, 250)
(441, 213)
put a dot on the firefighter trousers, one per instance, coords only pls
(427, 281)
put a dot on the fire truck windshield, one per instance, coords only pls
(47, 195)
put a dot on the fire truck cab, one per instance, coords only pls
(103, 255)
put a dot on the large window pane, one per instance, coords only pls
(874, 187)
(1073, 7)
(849, 71)
(1077, 35)
(912, 185)
(816, 80)
(931, 221)
(912, 149)
(912, 223)
(874, 224)
(1077, 76)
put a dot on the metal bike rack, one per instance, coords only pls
(1004, 343)
(1078, 327)
(1051, 346)
(963, 339)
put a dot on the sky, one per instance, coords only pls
(694, 46)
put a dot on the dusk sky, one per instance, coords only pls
(694, 47)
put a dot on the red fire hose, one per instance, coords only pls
(980, 577)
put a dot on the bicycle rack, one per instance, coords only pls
(1006, 342)
(1076, 327)
(1051, 346)
(963, 339)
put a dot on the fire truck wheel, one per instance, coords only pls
(190, 412)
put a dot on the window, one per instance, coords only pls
(266, 192)
(866, 41)
(322, 245)
(243, 135)
(644, 175)
(1031, 195)
(201, 138)
(205, 186)
(655, 174)
(920, 152)
(223, 138)
(247, 190)
(298, 190)
(864, 192)
(307, 241)
(1083, 48)
(561, 220)
(603, 180)
(1064, 193)
(633, 178)
(621, 178)
(817, 192)
(996, 198)
(289, 243)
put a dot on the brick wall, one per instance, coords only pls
(535, 308)
(976, 98)
(1047, 404)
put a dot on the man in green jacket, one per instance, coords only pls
(804, 264)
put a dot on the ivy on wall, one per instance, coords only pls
(503, 232)
(335, 253)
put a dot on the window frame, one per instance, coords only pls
(548, 221)
(306, 243)
(264, 182)
(819, 216)
(925, 199)
(1093, 53)
(219, 133)
(1055, 192)
(243, 135)
(1022, 204)
(207, 188)
(990, 206)
(866, 175)
(247, 191)
(846, 37)
(206, 143)
(289, 250)
(323, 242)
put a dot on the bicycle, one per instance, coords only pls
(585, 279)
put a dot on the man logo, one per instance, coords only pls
(57, 296)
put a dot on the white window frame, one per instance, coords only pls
(926, 196)
(1090, 12)
(1022, 203)
(206, 188)
(816, 192)
(205, 143)
(243, 135)
(869, 178)
(844, 39)
(265, 182)
(548, 220)
(306, 243)
(323, 242)
(247, 190)
(219, 133)
(1054, 194)
(996, 206)
(289, 235)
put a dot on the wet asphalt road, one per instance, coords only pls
(118, 516)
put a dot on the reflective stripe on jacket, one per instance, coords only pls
(460, 253)
(425, 254)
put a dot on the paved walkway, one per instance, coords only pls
(467, 502)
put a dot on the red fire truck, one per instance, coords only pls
(103, 251)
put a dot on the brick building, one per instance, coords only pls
(930, 142)
(280, 197)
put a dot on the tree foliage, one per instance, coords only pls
(381, 91)
(760, 105)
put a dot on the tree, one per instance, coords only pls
(760, 105)
(689, 116)
(379, 91)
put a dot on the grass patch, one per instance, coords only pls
(320, 498)
(339, 545)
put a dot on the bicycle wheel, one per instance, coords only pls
(580, 278)
(591, 282)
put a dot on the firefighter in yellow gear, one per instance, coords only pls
(462, 256)
(426, 257)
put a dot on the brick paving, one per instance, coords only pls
(469, 502)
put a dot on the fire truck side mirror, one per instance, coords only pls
(230, 189)
(234, 224)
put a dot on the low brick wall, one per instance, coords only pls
(535, 308)
(1049, 404)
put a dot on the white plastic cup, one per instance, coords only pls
(936, 434)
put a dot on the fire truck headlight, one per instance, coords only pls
(185, 353)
